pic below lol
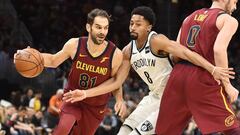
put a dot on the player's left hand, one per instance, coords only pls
(120, 108)
(74, 96)
(223, 74)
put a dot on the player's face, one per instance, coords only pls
(99, 29)
(230, 6)
(138, 27)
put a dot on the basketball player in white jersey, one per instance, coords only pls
(147, 53)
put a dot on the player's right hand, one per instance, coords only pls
(120, 108)
(15, 54)
(232, 92)
(74, 96)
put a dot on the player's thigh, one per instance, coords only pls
(212, 111)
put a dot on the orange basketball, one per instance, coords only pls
(29, 62)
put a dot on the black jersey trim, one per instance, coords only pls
(170, 61)
(131, 50)
(127, 126)
(138, 131)
(221, 14)
(78, 49)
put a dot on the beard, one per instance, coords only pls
(228, 8)
(95, 40)
(133, 35)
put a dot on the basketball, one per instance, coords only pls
(29, 62)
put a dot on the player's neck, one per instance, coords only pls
(217, 4)
(95, 49)
(141, 42)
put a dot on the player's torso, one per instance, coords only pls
(87, 71)
(199, 32)
(154, 70)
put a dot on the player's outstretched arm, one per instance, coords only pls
(227, 26)
(54, 60)
(110, 85)
(161, 42)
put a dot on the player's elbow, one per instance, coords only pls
(50, 62)
(218, 50)
(54, 64)
(116, 82)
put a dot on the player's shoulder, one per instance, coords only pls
(72, 42)
(127, 50)
(118, 53)
(70, 46)
(231, 19)
(157, 37)
(225, 16)
(117, 58)
(159, 42)
(226, 19)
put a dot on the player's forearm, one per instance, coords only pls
(220, 57)
(111, 84)
(198, 60)
(49, 60)
(106, 87)
(186, 54)
(118, 94)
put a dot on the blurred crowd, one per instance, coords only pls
(31, 106)
(26, 114)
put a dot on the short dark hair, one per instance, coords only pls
(97, 12)
(146, 12)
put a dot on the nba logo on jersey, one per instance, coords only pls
(147, 49)
(146, 126)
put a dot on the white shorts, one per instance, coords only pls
(144, 117)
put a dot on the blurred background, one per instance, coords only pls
(47, 25)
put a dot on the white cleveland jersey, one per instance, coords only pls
(153, 69)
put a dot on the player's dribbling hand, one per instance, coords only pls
(232, 92)
(120, 108)
(223, 74)
(15, 54)
(74, 96)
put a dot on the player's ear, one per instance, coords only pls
(149, 28)
(88, 27)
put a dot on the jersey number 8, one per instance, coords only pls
(148, 77)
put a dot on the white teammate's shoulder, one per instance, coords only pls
(127, 50)
(128, 47)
